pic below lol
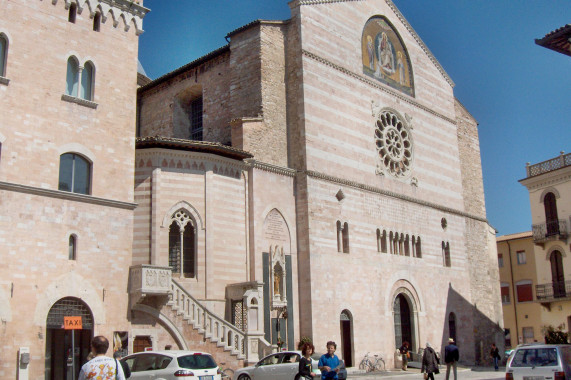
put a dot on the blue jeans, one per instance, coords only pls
(496, 363)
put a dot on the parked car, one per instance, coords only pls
(172, 365)
(282, 365)
(539, 362)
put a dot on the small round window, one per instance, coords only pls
(393, 141)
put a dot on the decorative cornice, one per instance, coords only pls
(188, 155)
(372, 189)
(420, 42)
(376, 85)
(65, 195)
(272, 168)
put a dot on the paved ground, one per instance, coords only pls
(472, 373)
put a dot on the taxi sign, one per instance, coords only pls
(72, 323)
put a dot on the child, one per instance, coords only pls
(305, 371)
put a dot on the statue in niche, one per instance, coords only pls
(278, 277)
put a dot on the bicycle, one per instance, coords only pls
(369, 364)
(227, 373)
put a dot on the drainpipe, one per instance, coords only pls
(513, 291)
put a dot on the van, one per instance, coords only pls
(540, 362)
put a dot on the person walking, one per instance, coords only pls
(305, 370)
(126, 370)
(101, 367)
(405, 355)
(329, 363)
(495, 354)
(429, 362)
(451, 357)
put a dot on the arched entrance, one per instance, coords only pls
(557, 275)
(403, 322)
(67, 350)
(346, 322)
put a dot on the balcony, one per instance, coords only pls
(550, 165)
(554, 291)
(552, 230)
(149, 280)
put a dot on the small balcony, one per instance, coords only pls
(149, 280)
(552, 230)
(554, 291)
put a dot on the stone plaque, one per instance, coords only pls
(275, 228)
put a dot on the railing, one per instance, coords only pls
(149, 280)
(554, 290)
(549, 165)
(217, 329)
(555, 228)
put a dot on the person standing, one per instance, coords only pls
(126, 370)
(429, 362)
(305, 370)
(451, 357)
(101, 367)
(495, 354)
(329, 363)
(404, 353)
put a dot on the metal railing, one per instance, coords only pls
(554, 228)
(554, 290)
(549, 165)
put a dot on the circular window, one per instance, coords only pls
(394, 144)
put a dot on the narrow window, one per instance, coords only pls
(346, 237)
(72, 13)
(72, 77)
(446, 251)
(97, 22)
(507, 338)
(418, 247)
(413, 245)
(406, 246)
(505, 291)
(339, 236)
(452, 326)
(87, 81)
(378, 240)
(384, 242)
(551, 217)
(174, 247)
(74, 174)
(520, 257)
(188, 253)
(196, 119)
(3, 54)
(500, 260)
(72, 247)
(182, 253)
(391, 242)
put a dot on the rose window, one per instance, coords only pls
(394, 145)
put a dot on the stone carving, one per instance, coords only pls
(278, 273)
(394, 144)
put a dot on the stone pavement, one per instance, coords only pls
(473, 373)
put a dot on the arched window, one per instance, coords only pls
(418, 247)
(446, 254)
(557, 274)
(378, 240)
(72, 247)
(346, 237)
(391, 242)
(452, 326)
(3, 54)
(339, 236)
(87, 75)
(551, 218)
(182, 242)
(384, 242)
(74, 174)
(72, 78)
(406, 246)
(97, 22)
(72, 13)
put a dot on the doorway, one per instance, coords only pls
(347, 337)
(67, 350)
(403, 322)
(557, 275)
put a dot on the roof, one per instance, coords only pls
(558, 40)
(518, 235)
(255, 23)
(191, 146)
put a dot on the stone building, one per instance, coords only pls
(316, 177)
(68, 79)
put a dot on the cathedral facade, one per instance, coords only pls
(313, 179)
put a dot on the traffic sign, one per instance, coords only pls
(72, 323)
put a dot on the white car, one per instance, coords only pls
(539, 362)
(172, 365)
(279, 366)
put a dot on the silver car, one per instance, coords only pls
(279, 366)
(172, 365)
(540, 362)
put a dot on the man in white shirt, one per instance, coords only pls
(101, 366)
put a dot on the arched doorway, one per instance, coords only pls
(403, 322)
(551, 218)
(347, 337)
(67, 350)
(557, 275)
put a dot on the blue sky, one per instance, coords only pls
(518, 91)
